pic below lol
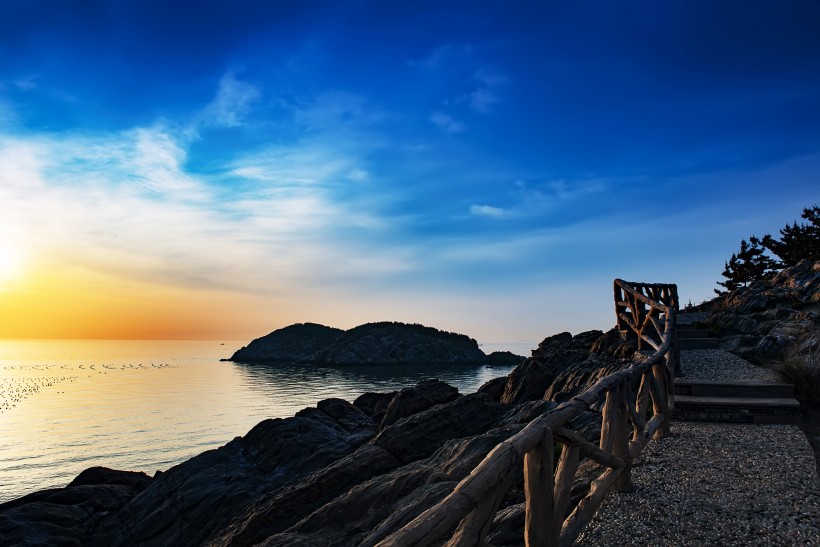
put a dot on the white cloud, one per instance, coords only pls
(446, 122)
(486, 211)
(233, 101)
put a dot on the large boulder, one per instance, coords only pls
(532, 377)
(422, 396)
(421, 434)
(61, 516)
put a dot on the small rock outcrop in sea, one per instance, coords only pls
(369, 344)
(771, 317)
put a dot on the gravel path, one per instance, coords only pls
(758, 486)
(717, 364)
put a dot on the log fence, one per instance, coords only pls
(644, 311)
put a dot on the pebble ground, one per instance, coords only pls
(715, 483)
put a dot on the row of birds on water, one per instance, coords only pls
(90, 367)
(14, 390)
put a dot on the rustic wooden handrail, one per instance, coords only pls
(465, 515)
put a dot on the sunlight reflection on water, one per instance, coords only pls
(66, 405)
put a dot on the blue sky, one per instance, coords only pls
(474, 166)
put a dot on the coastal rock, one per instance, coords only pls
(532, 378)
(421, 434)
(414, 399)
(373, 510)
(296, 343)
(494, 388)
(370, 344)
(770, 318)
(504, 358)
(195, 499)
(374, 404)
(286, 507)
(61, 516)
(400, 343)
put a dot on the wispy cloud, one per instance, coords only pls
(232, 102)
(487, 94)
(487, 211)
(436, 57)
(446, 122)
(26, 83)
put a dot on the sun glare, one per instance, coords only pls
(10, 262)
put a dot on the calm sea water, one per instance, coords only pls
(66, 405)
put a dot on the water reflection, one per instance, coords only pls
(148, 405)
(291, 388)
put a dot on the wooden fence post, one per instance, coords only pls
(538, 486)
(660, 405)
(615, 432)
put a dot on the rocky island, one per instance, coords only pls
(383, 343)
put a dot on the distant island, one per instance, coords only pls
(382, 343)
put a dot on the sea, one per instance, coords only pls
(147, 405)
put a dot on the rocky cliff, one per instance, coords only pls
(369, 344)
(772, 317)
(337, 474)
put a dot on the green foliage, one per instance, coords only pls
(751, 263)
(797, 241)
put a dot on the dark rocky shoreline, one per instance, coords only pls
(339, 473)
(343, 473)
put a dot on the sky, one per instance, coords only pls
(488, 168)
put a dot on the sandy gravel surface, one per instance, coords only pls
(717, 484)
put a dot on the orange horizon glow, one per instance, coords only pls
(76, 303)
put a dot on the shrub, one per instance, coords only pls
(801, 367)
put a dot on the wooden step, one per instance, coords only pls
(734, 388)
(692, 333)
(697, 343)
(756, 410)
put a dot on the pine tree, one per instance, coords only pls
(749, 264)
(798, 241)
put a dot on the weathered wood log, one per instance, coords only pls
(564, 478)
(587, 449)
(652, 343)
(608, 423)
(582, 514)
(473, 529)
(657, 386)
(538, 488)
(490, 471)
(638, 421)
(620, 444)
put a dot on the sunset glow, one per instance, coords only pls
(486, 169)
(10, 263)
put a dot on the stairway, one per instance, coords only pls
(741, 401)
(693, 337)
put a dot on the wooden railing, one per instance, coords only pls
(466, 514)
